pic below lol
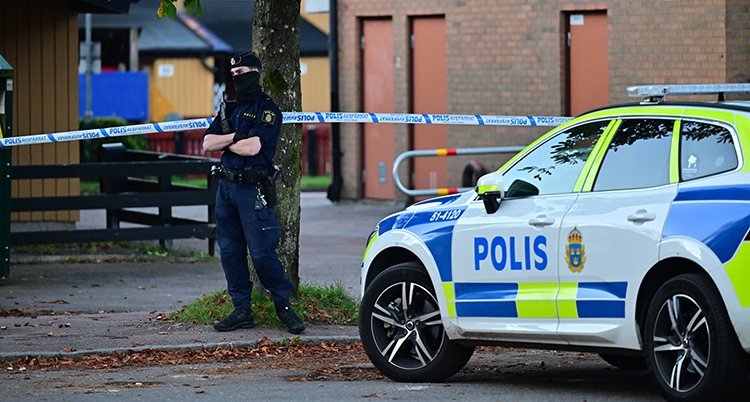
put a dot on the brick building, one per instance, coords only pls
(512, 57)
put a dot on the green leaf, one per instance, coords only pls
(199, 11)
(170, 10)
(190, 4)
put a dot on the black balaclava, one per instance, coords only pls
(246, 85)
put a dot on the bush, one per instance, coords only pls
(90, 148)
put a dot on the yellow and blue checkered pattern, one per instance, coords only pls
(536, 300)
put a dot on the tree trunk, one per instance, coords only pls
(276, 40)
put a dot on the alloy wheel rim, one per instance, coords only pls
(406, 327)
(682, 343)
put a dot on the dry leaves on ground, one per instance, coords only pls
(292, 355)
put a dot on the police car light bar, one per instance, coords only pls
(660, 91)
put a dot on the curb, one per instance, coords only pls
(6, 357)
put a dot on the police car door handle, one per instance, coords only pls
(641, 216)
(541, 220)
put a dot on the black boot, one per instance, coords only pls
(240, 318)
(287, 317)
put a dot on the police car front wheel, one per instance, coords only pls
(692, 351)
(401, 329)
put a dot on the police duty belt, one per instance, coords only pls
(245, 176)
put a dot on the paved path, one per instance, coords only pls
(115, 303)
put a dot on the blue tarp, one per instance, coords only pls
(120, 94)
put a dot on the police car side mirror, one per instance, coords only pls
(490, 191)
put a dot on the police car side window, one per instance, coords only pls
(554, 166)
(705, 149)
(638, 156)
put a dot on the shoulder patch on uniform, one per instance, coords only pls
(269, 117)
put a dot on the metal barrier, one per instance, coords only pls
(444, 152)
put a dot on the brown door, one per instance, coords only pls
(589, 70)
(377, 80)
(430, 95)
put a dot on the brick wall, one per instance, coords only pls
(508, 58)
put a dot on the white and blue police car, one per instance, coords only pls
(624, 232)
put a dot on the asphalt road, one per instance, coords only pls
(512, 375)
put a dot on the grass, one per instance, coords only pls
(315, 183)
(308, 183)
(315, 304)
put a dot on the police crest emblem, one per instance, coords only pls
(575, 251)
(269, 117)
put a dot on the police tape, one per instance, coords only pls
(291, 117)
(480, 120)
(108, 132)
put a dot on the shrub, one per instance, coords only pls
(90, 148)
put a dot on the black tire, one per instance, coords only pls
(624, 362)
(692, 351)
(407, 341)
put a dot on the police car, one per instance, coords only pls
(623, 232)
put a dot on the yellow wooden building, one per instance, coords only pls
(40, 40)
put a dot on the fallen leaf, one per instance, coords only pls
(50, 333)
(62, 334)
(4, 327)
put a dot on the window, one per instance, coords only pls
(638, 156)
(554, 166)
(705, 149)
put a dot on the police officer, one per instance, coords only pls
(247, 130)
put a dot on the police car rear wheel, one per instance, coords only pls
(692, 351)
(401, 329)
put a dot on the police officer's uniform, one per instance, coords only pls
(244, 219)
(239, 225)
